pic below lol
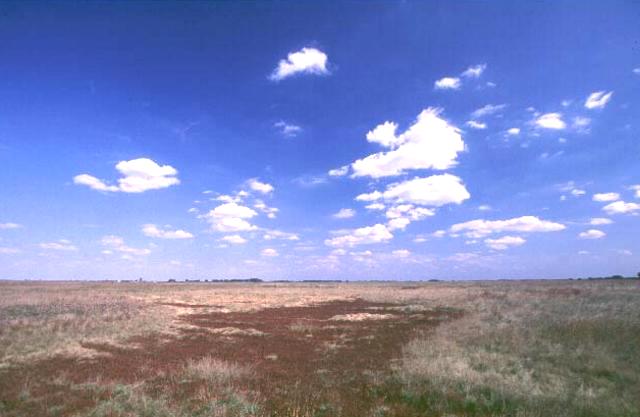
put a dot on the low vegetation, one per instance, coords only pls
(565, 348)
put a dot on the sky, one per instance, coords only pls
(319, 140)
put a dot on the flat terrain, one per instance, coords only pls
(530, 348)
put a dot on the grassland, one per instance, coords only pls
(531, 348)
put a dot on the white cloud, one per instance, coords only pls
(269, 211)
(514, 131)
(447, 83)
(431, 142)
(363, 236)
(278, 234)
(529, 224)
(308, 181)
(372, 196)
(270, 252)
(606, 197)
(581, 124)
(8, 251)
(598, 100)
(233, 210)
(636, 71)
(375, 206)
(487, 110)
(636, 188)
(261, 187)
(484, 207)
(476, 125)
(401, 253)
(286, 129)
(551, 121)
(576, 192)
(598, 221)
(385, 135)
(625, 252)
(234, 239)
(60, 245)
(139, 175)
(402, 215)
(436, 190)
(152, 230)
(504, 242)
(474, 71)
(230, 217)
(620, 207)
(344, 213)
(116, 243)
(8, 226)
(93, 183)
(304, 61)
(339, 172)
(592, 234)
(398, 223)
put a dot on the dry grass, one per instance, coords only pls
(214, 371)
(520, 348)
(534, 349)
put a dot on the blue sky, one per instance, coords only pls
(369, 140)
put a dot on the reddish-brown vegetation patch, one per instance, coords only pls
(303, 361)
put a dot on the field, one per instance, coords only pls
(527, 348)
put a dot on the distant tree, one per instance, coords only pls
(638, 275)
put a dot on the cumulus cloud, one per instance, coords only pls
(401, 253)
(487, 110)
(377, 233)
(375, 206)
(447, 83)
(550, 121)
(234, 239)
(476, 125)
(344, 213)
(138, 175)
(513, 131)
(598, 100)
(261, 187)
(269, 211)
(339, 172)
(592, 234)
(231, 217)
(269, 252)
(116, 243)
(620, 207)
(287, 130)
(431, 142)
(278, 234)
(60, 245)
(606, 197)
(151, 230)
(504, 242)
(436, 191)
(636, 188)
(480, 228)
(598, 221)
(402, 215)
(304, 61)
(8, 226)
(474, 71)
